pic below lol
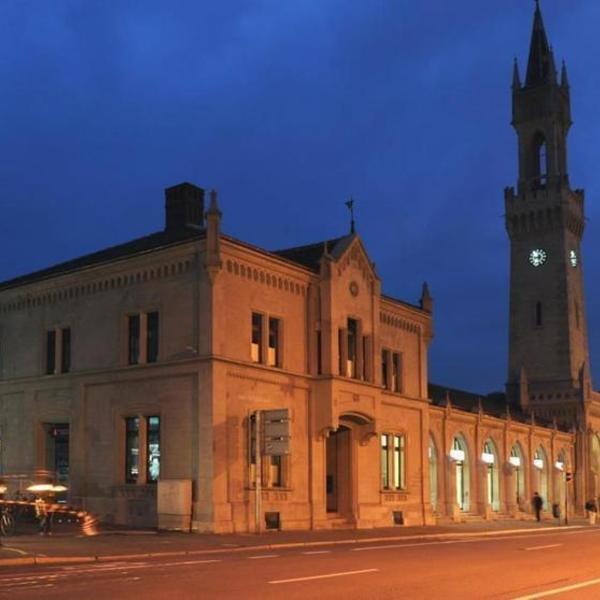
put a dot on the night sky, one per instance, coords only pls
(288, 108)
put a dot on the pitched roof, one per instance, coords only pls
(141, 245)
(310, 255)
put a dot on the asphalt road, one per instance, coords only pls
(519, 566)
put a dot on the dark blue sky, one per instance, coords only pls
(288, 108)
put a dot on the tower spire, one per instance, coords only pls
(540, 68)
(516, 84)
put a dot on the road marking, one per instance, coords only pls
(561, 590)
(543, 547)
(327, 576)
(263, 556)
(318, 552)
(17, 550)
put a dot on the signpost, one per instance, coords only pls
(268, 435)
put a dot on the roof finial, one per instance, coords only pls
(350, 205)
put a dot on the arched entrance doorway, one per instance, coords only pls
(460, 456)
(338, 475)
(517, 461)
(540, 463)
(433, 474)
(489, 457)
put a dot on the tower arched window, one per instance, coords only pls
(540, 160)
(538, 314)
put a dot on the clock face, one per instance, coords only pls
(573, 258)
(537, 257)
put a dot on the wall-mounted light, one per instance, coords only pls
(458, 455)
(515, 461)
(559, 465)
(488, 458)
(538, 463)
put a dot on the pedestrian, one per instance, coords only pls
(537, 503)
(592, 509)
(44, 516)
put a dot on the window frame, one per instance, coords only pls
(393, 461)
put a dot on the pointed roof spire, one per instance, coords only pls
(540, 68)
(516, 83)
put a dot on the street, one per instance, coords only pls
(523, 566)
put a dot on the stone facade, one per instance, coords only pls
(149, 363)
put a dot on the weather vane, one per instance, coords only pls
(350, 205)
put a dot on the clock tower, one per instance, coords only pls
(548, 367)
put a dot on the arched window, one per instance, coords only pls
(433, 473)
(489, 457)
(459, 454)
(538, 314)
(540, 160)
(516, 460)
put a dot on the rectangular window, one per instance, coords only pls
(66, 350)
(256, 346)
(152, 337)
(399, 482)
(276, 473)
(133, 348)
(352, 341)
(384, 368)
(397, 372)
(153, 449)
(273, 352)
(50, 352)
(132, 449)
(385, 471)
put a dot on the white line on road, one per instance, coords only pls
(327, 576)
(561, 590)
(263, 556)
(543, 547)
(318, 552)
(17, 550)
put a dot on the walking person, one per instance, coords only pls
(44, 516)
(537, 503)
(592, 509)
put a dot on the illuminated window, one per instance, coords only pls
(352, 341)
(273, 354)
(256, 344)
(393, 456)
(153, 449)
(385, 471)
(132, 449)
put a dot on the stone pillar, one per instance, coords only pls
(483, 506)
(452, 508)
(510, 490)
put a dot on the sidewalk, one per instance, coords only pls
(70, 546)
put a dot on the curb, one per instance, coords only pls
(57, 560)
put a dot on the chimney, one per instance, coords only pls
(184, 205)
